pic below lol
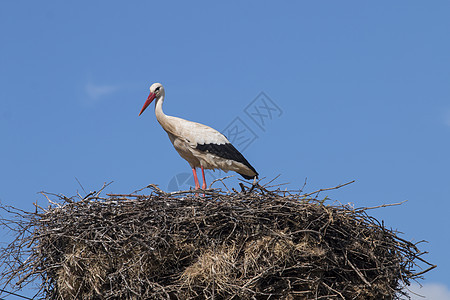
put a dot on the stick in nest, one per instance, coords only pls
(263, 244)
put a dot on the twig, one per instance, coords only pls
(425, 271)
(327, 189)
(80, 185)
(222, 181)
(125, 195)
(381, 206)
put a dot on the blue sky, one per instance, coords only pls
(362, 90)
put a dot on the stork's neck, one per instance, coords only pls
(160, 116)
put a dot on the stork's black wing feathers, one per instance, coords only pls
(227, 151)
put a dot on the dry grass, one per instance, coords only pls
(259, 245)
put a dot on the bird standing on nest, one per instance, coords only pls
(202, 146)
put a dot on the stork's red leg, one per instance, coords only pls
(197, 185)
(204, 180)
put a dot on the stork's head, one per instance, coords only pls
(156, 91)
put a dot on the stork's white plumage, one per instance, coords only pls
(202, 146)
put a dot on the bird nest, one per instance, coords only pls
(216, 245)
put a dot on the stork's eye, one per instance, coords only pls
(157, 89)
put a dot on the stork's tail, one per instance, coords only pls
(249, 177)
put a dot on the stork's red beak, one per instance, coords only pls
(150, 98)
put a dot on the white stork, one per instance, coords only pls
(202, 146)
